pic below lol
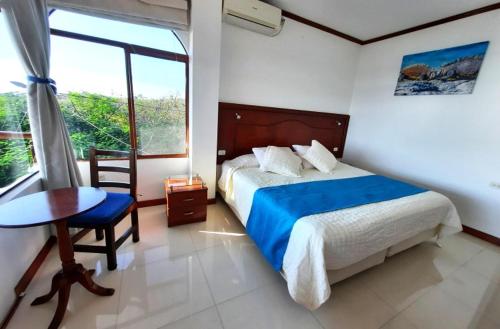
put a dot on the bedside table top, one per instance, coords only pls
(182, 183)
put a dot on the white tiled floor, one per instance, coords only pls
(211, 276)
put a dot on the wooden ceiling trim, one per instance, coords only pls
(318, 26)
(445, 20)
(345, 36)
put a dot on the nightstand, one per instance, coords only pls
(186, 200)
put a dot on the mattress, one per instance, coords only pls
(338, 239)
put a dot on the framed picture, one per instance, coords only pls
(450, 71)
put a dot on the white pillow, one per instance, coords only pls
(259, 154)
(301, 150)
(320, 157)
(245, 161)
(281, 160)
(230, 166)
(260, 151)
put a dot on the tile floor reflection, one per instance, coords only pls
(210, 275)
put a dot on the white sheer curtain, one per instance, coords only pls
(28, 25)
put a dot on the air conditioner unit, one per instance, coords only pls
(253, 15)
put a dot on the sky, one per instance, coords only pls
(83, 66)
(437, 58)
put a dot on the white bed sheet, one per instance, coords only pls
(337, 239)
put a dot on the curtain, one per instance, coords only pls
(172, 14)
(28, 25)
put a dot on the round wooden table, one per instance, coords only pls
(55, 207)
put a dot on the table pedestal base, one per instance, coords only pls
(61, 282)
(71, 273)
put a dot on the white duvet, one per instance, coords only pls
(340, 238)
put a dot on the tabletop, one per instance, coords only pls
(49, 206)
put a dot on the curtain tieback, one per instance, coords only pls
(46, 81)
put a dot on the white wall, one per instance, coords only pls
(449, 143)
(18, 247)
(300, 68)
(204, 55)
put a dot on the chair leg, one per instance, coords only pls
(109, 232)
(99, 234)
(135, 225)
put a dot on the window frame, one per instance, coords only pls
(128, 50)
(18, 182)
(6, 135)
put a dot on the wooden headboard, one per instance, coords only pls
(242, 127)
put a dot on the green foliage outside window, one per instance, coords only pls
(94, 120)
(15, 154)
(161, 125)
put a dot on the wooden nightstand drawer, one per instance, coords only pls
(187, 198)
(187, 214)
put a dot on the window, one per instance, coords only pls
(16, 149)
(120, 85)
(92, 94)
(159, 105)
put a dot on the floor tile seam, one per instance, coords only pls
(481, 249)
(209, 289)
(473, 269)
(245, 293)
(317, 320)
(424, 295)
(366, 286)
(392, 318)
(205, 247)
(119, 300)
(187, 317)
(464, 303)
(184, 254)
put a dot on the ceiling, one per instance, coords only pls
(366, 19)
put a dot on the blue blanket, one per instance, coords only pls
(276, 209)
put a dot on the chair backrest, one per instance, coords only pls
(131, 170)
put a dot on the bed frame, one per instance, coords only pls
(340, 274)
(242, 127)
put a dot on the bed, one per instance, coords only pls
(328, 247)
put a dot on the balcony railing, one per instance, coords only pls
(14, 135)
(9, 135)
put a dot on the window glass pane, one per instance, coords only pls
(92, 93)
(160, 112)
(141, 35)
(16, 157)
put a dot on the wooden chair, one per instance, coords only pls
(117, 206)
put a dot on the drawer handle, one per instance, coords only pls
(188, 213)
(190, 199)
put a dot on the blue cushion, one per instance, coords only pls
(105, 213)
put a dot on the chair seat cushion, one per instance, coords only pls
(105, 213)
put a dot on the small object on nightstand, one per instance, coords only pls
(186, 199)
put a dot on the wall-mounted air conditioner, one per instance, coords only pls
(253, 15)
